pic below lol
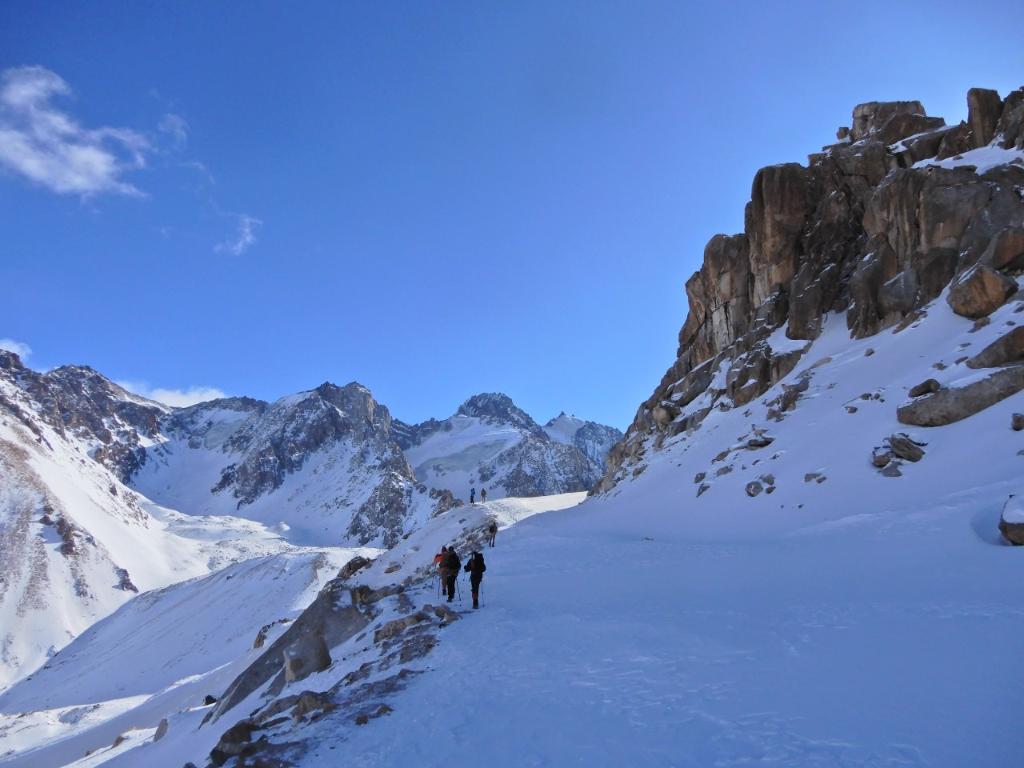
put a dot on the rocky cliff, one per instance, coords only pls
(873, 228)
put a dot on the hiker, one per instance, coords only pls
(476, 567)
(492, 530)
(451, 572)
(439, 559)
(472, 495)
(483, 495)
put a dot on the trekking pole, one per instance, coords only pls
(458, 590)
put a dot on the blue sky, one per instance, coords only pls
(434, 199)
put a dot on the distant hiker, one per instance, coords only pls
(476, 567)
(451, 572)
(483, 495)
(492, 531)
(472, 495)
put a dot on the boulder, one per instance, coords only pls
(926, 387)
(1008, 348)
(397, 626)
(905, 447)
(980, 291)
(983, 109)
(880, 457)
(1005, 250)
(1017, 422)
(1011, 521)
(959, 402)
(753, 488)
(161, 729)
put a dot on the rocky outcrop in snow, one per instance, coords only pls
(874, 227)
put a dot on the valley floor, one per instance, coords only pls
(888, 640)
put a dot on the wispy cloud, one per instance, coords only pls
(244, 237)
(176, 127)
(178, 398)
(45, 144)
(20, 348)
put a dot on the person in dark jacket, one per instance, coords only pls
(476, 567)
(492, 531)
(472, 495)
(483, 495)
(451, 572)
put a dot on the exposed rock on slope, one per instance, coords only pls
(492, 443)
(875, 227)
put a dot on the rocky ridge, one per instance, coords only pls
(491, 442)
(874, 227)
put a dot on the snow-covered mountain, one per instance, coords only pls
(75, 542)
(321, 466)
(491, 443)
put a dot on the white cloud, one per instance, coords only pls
(47, 145)
(245, 235)
(176, 127)
(178, 398)
(19, 348)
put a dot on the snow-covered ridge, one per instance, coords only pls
(490, 443)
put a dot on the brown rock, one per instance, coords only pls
(881, 457)
(905, 447)
(1008, 348)
(1011, 121)
(873, 115)
(1012, 530)
(980, 291)
(1005, 250)
(753, 488)
(307, 655)
(926, 387)
(1017, 422)
(955, 403)
(983, 109)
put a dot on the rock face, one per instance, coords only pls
(492, 443)
(871, 227)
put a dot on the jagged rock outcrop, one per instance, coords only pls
(875, 226)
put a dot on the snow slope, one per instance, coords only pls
(160, 654)
(75, 544)
(162, 651)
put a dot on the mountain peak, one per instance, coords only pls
(497, 406)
